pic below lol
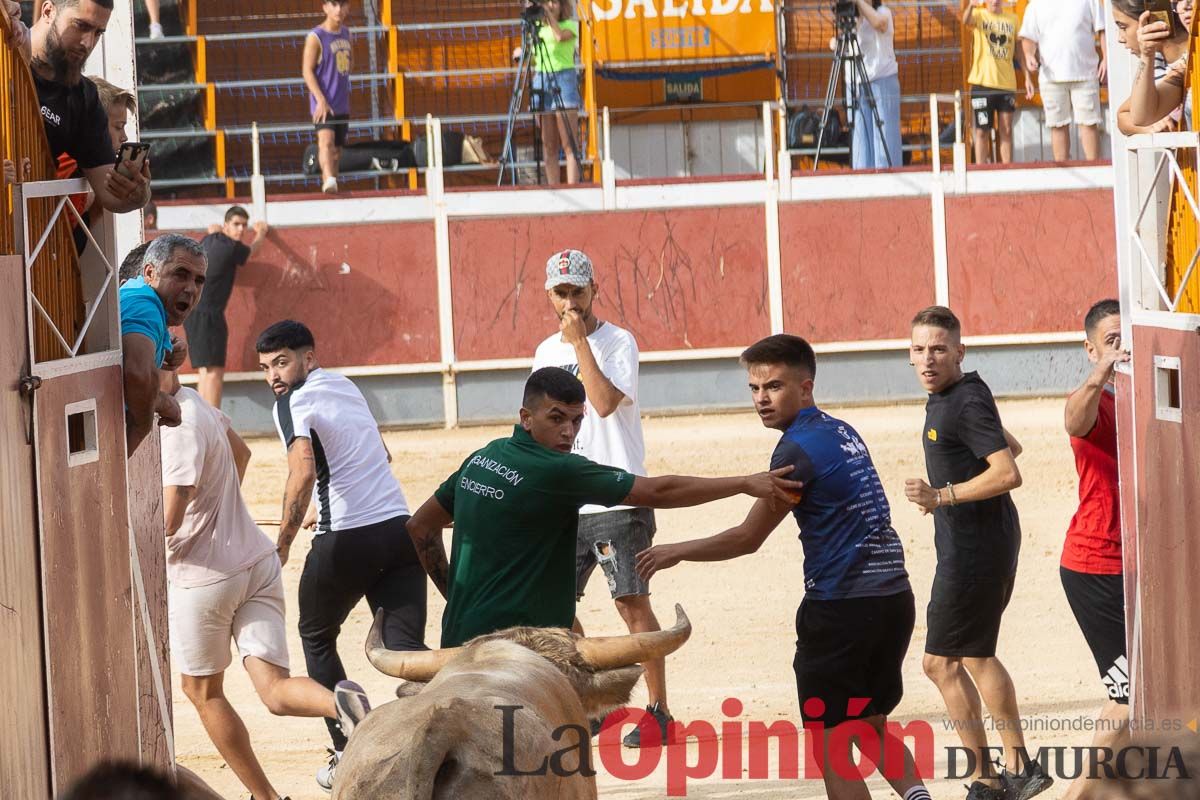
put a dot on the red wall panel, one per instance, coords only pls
(677, 279)
(1030, 262)
(368, 292)
(855, 269)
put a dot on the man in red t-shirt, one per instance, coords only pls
(1091, 561)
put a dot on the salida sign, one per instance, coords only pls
(673, 30)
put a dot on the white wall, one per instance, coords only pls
(687, 149)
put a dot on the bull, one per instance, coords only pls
(504, 717)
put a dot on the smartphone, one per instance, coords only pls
(137, 152)
(1161, 11)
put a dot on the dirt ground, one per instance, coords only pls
(742, 611)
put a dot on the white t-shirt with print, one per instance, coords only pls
(218, 537)
(1065, 32)
(615, 440)
(355, 485)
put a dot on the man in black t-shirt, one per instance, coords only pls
(971, 464)
(64, 34)
(207, 333)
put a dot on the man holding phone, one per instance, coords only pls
(63, 36)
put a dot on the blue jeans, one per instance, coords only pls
(867, 149)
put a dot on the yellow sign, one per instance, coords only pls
(673, 30)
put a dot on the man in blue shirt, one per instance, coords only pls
(163, 295)
(854, 624)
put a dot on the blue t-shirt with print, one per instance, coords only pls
(850, 546)
(143, 312)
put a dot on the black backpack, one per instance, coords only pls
(380, 156)
(805, 127)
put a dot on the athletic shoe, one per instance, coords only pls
(1032, 781)
(329, 186)
(352, 705)
(156, 31)
(325, 774)
(981, 791)
(634, 737)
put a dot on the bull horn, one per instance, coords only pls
(410, 665)
(609, 652)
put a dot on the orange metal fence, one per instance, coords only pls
(54, 276)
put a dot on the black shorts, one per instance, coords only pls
(339, 124)
(1098, 602)
(848, 650)
(964, 614)
(986, 103)
(613, 539)
(207, 338)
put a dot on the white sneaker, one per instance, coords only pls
(156, 31)
(326, 773)
(329, 186)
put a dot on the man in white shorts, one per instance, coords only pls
(605, 359)
(224, 581)
(1058, 38)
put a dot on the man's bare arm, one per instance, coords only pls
(425, 530)
(241, 453)
(302, 474)
(740, 540)
(140, 376)
(175, 503)
(681, 491)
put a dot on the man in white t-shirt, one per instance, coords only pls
(337, 460)
(224, 582)
(605, 358)
(1058, 39)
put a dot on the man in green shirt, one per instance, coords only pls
(515, 508)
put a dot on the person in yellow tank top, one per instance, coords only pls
(993, 79)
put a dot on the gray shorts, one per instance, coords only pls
(613, 539)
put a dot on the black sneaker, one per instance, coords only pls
(981, 791)
(1032, 781)
(634, 737)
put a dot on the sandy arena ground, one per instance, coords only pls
(742, 611)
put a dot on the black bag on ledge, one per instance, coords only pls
(381, 156)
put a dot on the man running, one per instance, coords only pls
(360, 549)
(605, 358)
(515, 508)
(971, 464)
(855, 622)
(224, 581)
(1091, 567)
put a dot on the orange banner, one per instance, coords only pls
(670, 30)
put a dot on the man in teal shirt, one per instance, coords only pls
(515, 508)
(162, 295)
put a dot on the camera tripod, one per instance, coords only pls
(849, 52)
(533, 50)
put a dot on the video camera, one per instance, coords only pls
(532, 11)
(845, 10)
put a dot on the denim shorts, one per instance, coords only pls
(613, 539)
(544, 99)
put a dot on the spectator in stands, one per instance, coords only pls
(556, 88)
(326, 71)
(1059, 42)
(207, 332)
(118, 104)
(876, 39)
(150, 216)
(1127, 16)
(163, 295)
(993, 80)
(1160, 84)
(152, 11)
(64, 34)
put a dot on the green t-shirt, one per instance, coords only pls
(516, 506)
(561, 54)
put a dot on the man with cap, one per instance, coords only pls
(605, 358)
